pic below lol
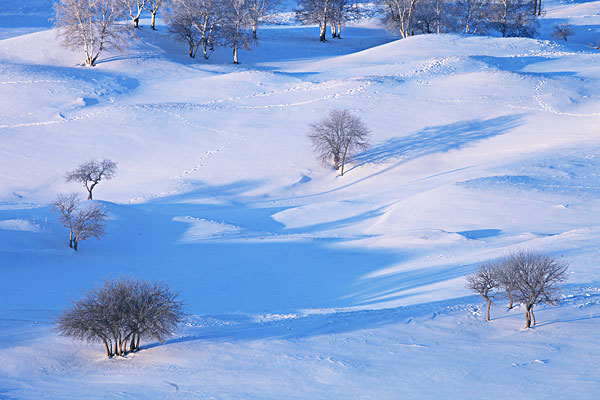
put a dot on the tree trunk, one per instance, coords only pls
(136, 22)
(339, 31)
(539, 8)
(254, 35)
(344, 160)
(535, 7)
(489, 303)
(89, 194)
(107, 349)
(528, 317)
(153, 23)
(510, 306)
(137, 342)
(533, 316)
(235, 57)
(75, 243)
(333, 31)
(322, 34)
(132, 344)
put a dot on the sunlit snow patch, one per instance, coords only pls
(202, 229)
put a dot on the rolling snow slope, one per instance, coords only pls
(300, 283)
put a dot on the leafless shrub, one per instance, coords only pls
(537, 279)
(120, 312)
(91, 173)
(337, 137)
(484, 282)
(562, 31)
(91, 26)
(83, 223)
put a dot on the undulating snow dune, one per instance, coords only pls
(299, 283)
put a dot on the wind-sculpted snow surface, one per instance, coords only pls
(299, 283)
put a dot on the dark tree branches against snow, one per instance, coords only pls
(121, 312)
(83, 223)
(484, 282)
(91, 26)
(537, 280)
(91, 173)
(399, 15)
(338, 137)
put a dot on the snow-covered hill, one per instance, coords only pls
(300, 283)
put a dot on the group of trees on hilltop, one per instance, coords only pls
(96, 25)
(507, 17)
(207, 24)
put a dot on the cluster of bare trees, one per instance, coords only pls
(508, 17)
(337, 137)
(207, 24)
(84, 222)
(96, 25)
(334, 13)
(120, 313)
(525, 277)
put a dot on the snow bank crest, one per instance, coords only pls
(203, 229)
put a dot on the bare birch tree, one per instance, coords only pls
(469, 16)
(134, 8)
(121, 312)
(315, 12)
(91, 173)
(484, 283)
(236, 20)
(338, 137)
(260, 11)
(197, 23)
(91, 26)
(399, 15)
(153, 6)
(537, 280)
(83, 223)
(513, 18)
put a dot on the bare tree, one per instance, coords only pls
(562, 31)
(506, 277)
(537, 7)
(469, 16)
(427, 16)
(134, 8)
(153, 6)
(537, 280)
(91, 25)
(83, 223)
(338, 137)
(120, 312)
(236, 20)
(399, 15)
(91, 173)
(315, 12)
(513, 18)
(197, 23)
(484, 283)
(67, 206)
(260, 10)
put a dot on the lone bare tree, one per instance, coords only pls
(91, 25)
(91, 173)
(562, 31)
(134, 8)
(153, 6)
(537, 280)
(120, 312)
(484, 282)
(196, 23)
(337, 137)
(83, 223)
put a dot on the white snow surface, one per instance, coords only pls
(299, 283)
